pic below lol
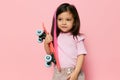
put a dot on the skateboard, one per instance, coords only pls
(49, 58)
(53, 57)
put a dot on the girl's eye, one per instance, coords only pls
(68, 19)
(59, 19)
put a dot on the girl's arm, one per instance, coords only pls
(46, 46)
(79, 64)
(74, 75)
(48, 39)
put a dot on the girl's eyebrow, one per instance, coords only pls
(59, 18)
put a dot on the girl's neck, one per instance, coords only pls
(68, 33)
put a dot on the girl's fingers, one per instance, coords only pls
(68, 78)
(48, 38)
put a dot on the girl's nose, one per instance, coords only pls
(63, 22)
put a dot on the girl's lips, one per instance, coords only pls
(64, 26)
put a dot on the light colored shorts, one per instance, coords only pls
(65, 72)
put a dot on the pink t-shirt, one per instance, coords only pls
(69, 48)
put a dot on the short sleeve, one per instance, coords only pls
(80, 45)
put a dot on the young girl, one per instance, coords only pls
(70, 43)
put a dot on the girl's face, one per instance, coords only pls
(65, 21)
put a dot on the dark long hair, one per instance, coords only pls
(72, 9)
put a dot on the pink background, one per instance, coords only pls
(22, 57)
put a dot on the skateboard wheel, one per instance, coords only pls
(48, 64)
(39, 32)
(40, 40)
(48, 58)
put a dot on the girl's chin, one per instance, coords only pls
(65, 31)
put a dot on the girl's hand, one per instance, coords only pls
(73, 76)
(48, 39)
